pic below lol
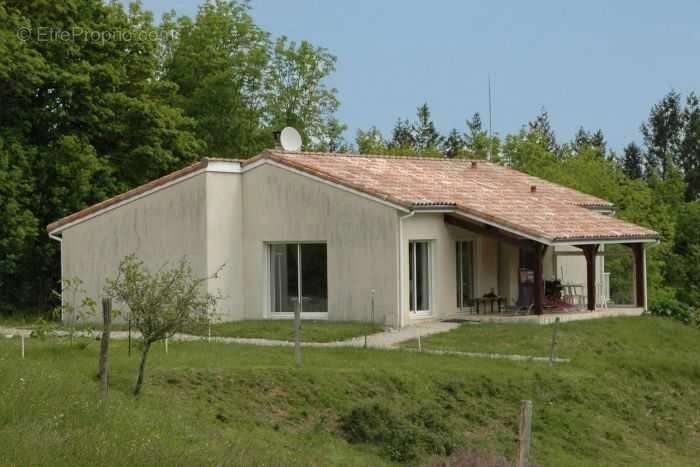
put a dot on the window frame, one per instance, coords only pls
(269, 313)
(413, 287)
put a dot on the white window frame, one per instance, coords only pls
(413, 288)
(269, 314)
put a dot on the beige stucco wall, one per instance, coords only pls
(224, 242)
(165, 225)
(443, 237)
(361, 236)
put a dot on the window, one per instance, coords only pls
(419, 276)
(465, 274)
(298, 278)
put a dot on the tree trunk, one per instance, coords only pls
(142, 367)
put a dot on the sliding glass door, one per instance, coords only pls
(465, 275)
(298, 278)
(419, 258)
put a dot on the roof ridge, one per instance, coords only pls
(379, 156)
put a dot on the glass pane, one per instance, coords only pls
(314, 282)
(422, 276)
(284, 278)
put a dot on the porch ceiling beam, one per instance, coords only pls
(488, 231)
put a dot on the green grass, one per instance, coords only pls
(630, 396)
(312, 331)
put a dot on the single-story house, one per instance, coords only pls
(340, 235)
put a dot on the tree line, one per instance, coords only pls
(123, 100)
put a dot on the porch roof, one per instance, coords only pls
(490, 193)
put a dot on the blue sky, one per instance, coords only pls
(593, 63)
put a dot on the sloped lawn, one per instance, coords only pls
(630, 396)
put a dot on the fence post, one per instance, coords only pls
(553, 348)
(129, 319)
(297, 335)
(524, 434)
(21, 338)
(420, 345)
(102, 371)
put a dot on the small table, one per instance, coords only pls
(490, 300)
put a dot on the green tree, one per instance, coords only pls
(478, 143)
(218, 61)
(542, 133)
(427, 138)
(161, 303)
(454, 144)
(88, 115)
(296, 90)
(662, 134)
(632, 161)
(690, 147)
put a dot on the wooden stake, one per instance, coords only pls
(209, 332)
(524, 434)
(22, 340)
(553, 348)
(420, 346)
(166, 345)
(102, 369)
(297, 335)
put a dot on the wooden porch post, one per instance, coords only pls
(538, 286)
(590, 252)
(639, 273)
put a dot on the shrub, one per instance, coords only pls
(401, 433)
(672, 308)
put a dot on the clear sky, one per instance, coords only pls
(600, 64)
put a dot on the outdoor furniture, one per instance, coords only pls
(490, 300)
(574, 295)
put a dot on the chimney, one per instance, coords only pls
(473, 164)
(533, 188)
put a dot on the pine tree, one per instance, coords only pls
(453, 145)
(402, 136)
(632, 161)
(541, 129)
(690, 147)
(427, 137)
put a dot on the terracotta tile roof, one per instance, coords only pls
(485, 190)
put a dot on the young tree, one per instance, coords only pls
(403, 135)
(690, 147)
(161, 302)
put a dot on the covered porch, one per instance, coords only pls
(540, 281)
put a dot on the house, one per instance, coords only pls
(332, 233)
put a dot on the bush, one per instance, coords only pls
(672, 308)
(402, 434)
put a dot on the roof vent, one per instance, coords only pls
(533, 188)
(473, 164)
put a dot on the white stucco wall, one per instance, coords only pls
(361, 237)
(163, 226)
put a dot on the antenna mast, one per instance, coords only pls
(490, 132)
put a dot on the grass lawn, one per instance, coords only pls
(312, 330)
(630, 396)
